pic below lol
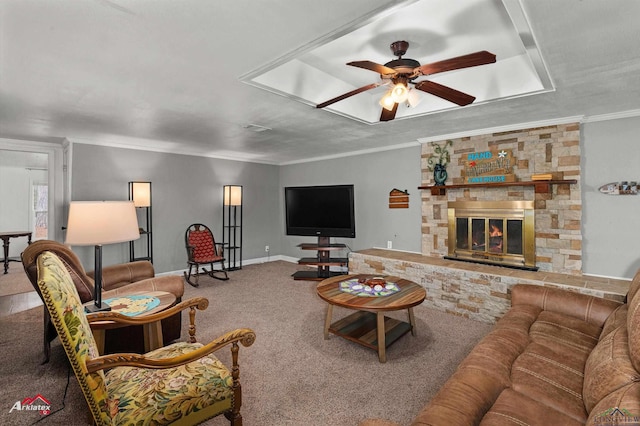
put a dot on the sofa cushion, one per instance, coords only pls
(550, 369)
(553, 376)
(608, 367)
(513, 408)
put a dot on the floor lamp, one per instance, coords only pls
(232, 225)
(95, 223)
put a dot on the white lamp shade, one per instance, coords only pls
(232, 195)
(101, 222)
(414, 98)
(399, 93)
(387, 102)
(141, 192)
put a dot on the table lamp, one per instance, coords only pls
(95, 223)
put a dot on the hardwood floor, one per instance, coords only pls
(18, 302)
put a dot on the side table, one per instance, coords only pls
(137, 304)
(6, 236)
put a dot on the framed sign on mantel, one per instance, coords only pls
(489, 167)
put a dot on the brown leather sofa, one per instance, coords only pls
(119, 279)
(555, 358)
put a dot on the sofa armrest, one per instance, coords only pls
(591, 309)
(115, 276)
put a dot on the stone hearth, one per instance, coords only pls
(479, 292)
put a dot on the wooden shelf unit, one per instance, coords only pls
(323, 260)
(540, 186)
(361, 327)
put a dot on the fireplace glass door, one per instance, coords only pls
(488, 234)
(492, 232)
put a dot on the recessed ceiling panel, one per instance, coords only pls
(436, 30)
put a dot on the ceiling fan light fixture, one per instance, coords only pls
(399, 93)
(387, 101)
(413, 98)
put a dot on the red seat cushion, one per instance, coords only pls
(203, 247)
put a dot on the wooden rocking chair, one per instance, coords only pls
(202, 249)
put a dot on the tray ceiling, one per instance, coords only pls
(436, 30)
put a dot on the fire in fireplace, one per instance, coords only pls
(493, 232)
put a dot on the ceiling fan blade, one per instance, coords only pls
(465, 61)
(348, 94)
(372, 66)
(387, 115)
(445, 92)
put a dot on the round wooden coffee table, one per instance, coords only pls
(368, 326)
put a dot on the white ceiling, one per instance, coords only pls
(434, 32)
(166, 74)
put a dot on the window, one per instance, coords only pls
(40, 211)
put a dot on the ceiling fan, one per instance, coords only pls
(401, 72)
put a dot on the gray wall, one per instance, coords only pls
(186, 190)
(373, 176)
(611, 224)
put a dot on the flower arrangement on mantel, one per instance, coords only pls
(438, 160)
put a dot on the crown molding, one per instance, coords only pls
(500, 129)
(352, 153)
(612, 116)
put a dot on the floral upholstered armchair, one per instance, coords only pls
(183, 383)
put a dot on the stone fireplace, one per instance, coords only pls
(553, 149)
(483, 291)
(492, 232)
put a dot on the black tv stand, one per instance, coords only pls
(323, 260)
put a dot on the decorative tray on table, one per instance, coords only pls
(132, 305)
(369, 287)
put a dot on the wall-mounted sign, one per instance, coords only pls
(489, 167)
(398, 199)
(620, 188)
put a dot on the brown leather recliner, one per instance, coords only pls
(119, 279)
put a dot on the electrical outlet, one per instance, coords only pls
(266, 249)
(389, 244)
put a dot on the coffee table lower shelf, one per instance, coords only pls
(361, 327)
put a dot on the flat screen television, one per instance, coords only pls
(323, 211)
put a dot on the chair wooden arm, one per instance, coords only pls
(200, 303)
(245, 336)
(196, 302)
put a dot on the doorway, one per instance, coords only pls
(32, 190)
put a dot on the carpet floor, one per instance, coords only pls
(290, 376)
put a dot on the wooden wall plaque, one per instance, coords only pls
(398, 199)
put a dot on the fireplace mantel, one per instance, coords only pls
(541, 186)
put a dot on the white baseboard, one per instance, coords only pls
(244, 263)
